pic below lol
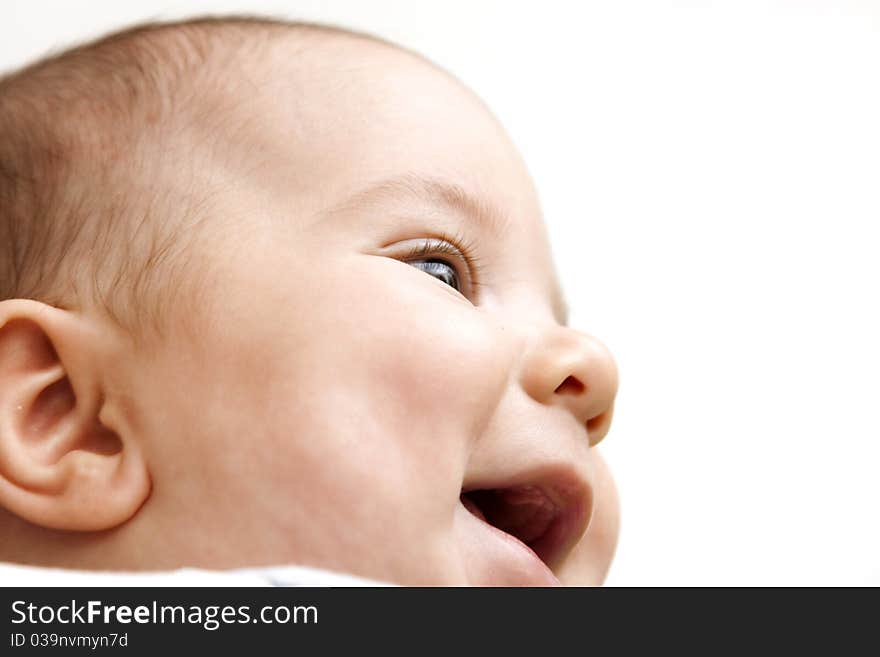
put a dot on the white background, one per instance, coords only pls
(710, 172)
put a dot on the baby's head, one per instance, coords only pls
(281, 294)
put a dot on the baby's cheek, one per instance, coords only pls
(450, 366)
(378, 351)
(425, 346)
(435, 366)
(440, 381)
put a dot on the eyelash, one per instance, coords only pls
(455, 245)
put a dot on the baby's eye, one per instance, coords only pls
(430, 255)
(439, 269)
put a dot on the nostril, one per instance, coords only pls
(570, 385)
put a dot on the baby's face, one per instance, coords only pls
(386, 338)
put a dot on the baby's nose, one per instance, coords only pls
(572, 369)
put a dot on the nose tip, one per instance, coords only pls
(575, 370)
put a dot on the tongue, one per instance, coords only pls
(525, 512)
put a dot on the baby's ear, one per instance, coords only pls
(61, 466)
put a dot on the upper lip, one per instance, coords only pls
(548, 509)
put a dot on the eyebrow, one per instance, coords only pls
(448, 195)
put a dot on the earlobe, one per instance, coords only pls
(62, 463)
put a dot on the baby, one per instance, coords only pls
(278, 293)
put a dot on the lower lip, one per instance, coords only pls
(507, 561)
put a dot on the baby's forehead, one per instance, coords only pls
(331, 127)
(365, 130)
(308, 93)
(357, 113)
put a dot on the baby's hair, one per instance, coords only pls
(84, 218)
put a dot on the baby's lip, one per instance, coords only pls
(534, 520)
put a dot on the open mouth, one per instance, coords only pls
(528, 513)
